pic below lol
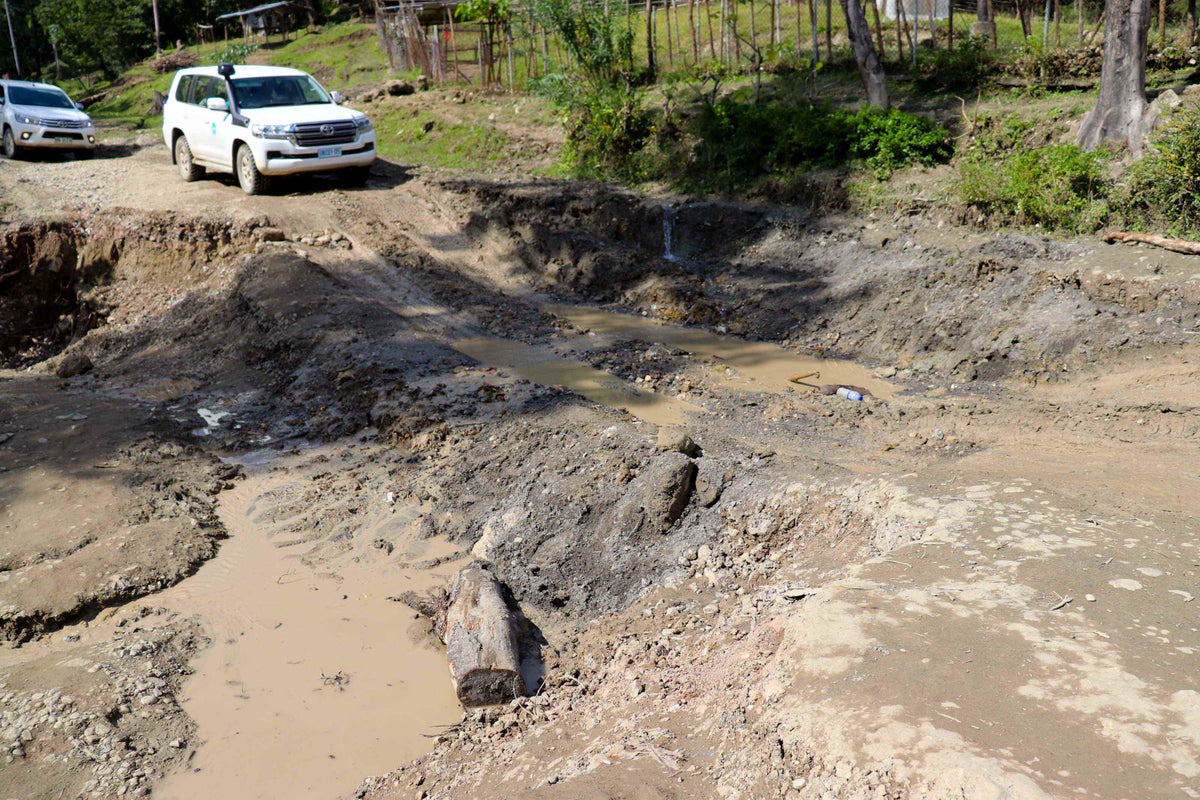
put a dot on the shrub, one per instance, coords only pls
(607, 131)
(889, 140)
(1163, 189)
(957, 68)
(1059, 187)
(738, 143)
(236, 53)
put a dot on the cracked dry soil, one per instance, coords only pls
(216, 411)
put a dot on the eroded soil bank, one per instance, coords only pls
(737, 586)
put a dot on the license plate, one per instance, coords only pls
(329, 152)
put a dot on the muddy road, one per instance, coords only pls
(235, 430)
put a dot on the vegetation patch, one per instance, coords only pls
(739, 144)
(1162, 190)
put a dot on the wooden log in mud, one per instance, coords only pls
(1175, 245)
(481, 640)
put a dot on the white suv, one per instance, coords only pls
(40, 115)
(257, 121)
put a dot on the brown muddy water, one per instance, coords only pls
(744, 366)
(754, 366)
(314, 679)
(541, 365)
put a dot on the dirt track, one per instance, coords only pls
(980, 587)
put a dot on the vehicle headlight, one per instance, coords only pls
(271, 131)
(363, 124)
(24, 120)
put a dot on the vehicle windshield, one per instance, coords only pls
(277, 90)
(46, 98)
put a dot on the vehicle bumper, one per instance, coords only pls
(62, 138)
(281, 158)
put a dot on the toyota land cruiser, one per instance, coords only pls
(260, 121)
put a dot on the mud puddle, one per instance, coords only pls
(756, 366)
(539, 365)
(314, 678)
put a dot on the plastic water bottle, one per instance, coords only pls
(848, 394)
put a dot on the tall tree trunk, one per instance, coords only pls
(864, 53)
(651, 59)
(812, 6)
(878, 30)
(1121, 105)
(829, 30)
(670, 39)
(695, 33)
(1191, 21)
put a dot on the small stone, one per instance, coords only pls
(1091, 598)
(675, 440)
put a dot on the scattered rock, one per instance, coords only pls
(675, 440)
(73, 364)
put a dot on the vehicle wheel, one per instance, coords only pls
(188, 169)
(10, 144)
(251, 180)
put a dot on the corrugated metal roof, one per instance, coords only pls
(255, 10)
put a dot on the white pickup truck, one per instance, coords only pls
(258, 121)
(38, 115)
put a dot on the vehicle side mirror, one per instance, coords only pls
(336, 97)
(216, 104)
(79, 106)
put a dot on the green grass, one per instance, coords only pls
(448, 145)
(345, 56)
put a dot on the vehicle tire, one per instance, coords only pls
(252, 181)
(11, 150)
(188, 169)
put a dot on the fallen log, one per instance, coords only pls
(1174, 245)
(481, 640)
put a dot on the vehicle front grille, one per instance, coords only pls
(64, 123)
(323, 134)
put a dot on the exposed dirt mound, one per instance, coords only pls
(56, 276)
(970, 306)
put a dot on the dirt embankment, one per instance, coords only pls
(787, 595)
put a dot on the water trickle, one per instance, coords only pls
(668, 223)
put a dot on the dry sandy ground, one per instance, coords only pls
(981, 586)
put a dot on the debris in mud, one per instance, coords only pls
(339, 680)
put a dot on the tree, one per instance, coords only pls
(1120, 111)
(864, 53)
(98, 35)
